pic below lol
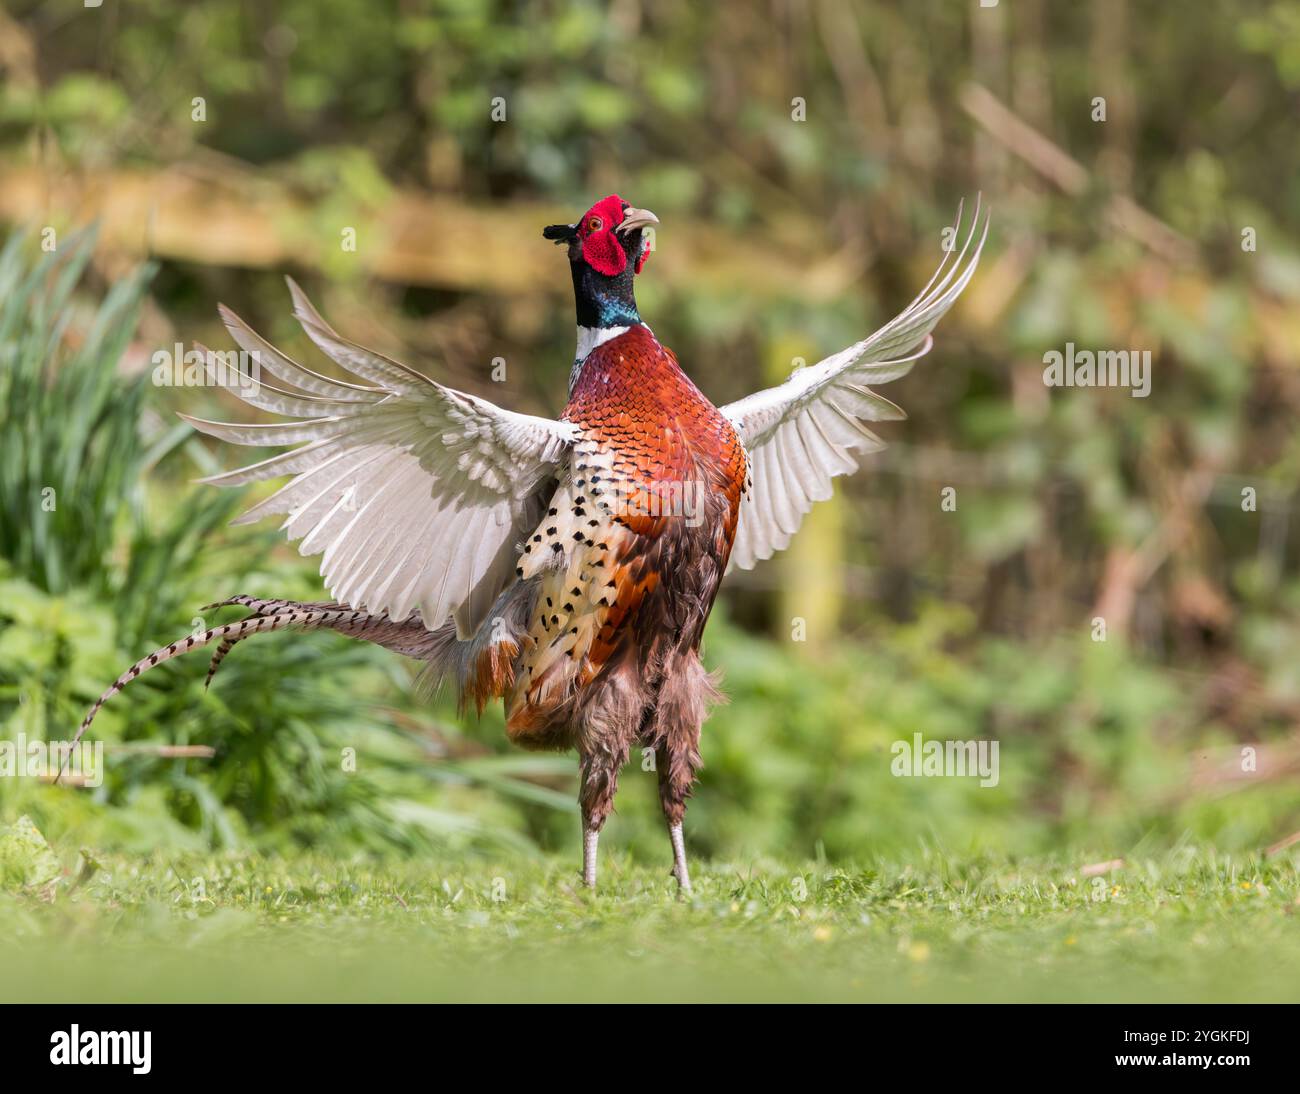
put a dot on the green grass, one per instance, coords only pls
(1193, 926)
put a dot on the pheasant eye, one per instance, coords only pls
(595, 224)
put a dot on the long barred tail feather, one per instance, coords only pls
(481, 666)
(257, 607)
(261, 607)
(218, 655)
(410, 638)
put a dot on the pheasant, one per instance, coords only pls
(566, 567)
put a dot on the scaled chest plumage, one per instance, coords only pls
(637, 535)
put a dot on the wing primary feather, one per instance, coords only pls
(287, 369)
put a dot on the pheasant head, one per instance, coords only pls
(607, 248)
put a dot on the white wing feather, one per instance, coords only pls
(806, 431)
(414, 494)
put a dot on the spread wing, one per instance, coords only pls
(803, 433)
(414, 494)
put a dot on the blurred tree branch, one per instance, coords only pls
(218, 214)
(1071, 177)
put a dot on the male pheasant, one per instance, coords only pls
(566, 567)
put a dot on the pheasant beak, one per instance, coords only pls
(636, 218)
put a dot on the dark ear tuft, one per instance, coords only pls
(560, 233)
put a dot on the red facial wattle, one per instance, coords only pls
(600, 249)
(603, 253)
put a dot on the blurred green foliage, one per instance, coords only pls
(1071, 504)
